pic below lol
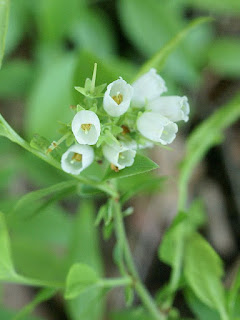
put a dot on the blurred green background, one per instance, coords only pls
(51, 47)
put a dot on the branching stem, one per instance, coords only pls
(142, 292)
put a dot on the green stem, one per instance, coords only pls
(34, 282)
(175, 273)
(143, 294)
(116, 282)
(63, 138)
(14, 137)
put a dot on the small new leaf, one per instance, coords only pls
(129, 296)
(81, 90)
(99, 89)
(88, 85)
(101, 214)
(80, 278)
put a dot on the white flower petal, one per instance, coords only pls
(120, 155)
(77, 158)
(174, 108)
(117, 98)
(147, 88)
(155, 127)
(86, 127)
(145, 145)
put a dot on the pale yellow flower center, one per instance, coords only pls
(86, 127)
(118, 98)
(76, 157)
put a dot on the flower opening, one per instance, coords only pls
(86, 127)
(120, 156)
(77, 158)
(117, 98)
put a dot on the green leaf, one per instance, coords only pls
(37, 243)
(6, 264)
(95, 171)
(224, 57)
(158, 60)
(5, 129)
(173, 240)
(93, 30)
(50, 98)
(49, 17)
(172, 248)
(16, 77)
(30, 204)
(142, 183)
(7, 270)
(205, 136)
(233, 293)
(141, 164)
(203, 271)
(201, 311)
(4, 12)
(41, 296)
(51, 228)
(18, 26)
(80, 279)
(84, 248)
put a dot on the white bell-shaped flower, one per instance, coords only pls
(86, 127)
(157, 128)
(174, 108)
(120, 155)
(77, 158)
(117, 97)
(147, 88)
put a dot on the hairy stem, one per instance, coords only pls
(142, 292)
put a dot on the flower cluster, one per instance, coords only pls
(128, 118)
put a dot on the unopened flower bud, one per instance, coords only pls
(157, 128)
(147, 88)
(174, 108)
